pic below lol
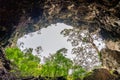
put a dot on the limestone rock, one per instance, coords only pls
(111, 59)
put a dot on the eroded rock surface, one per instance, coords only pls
(111, 59)
(113, 45)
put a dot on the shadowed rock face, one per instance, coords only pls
(100, 74)
(16, 17)
(13, 12)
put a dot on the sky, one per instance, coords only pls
(49, 38)
(51, 41)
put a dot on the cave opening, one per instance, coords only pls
(78, 45)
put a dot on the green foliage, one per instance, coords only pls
(26, 64)
(56, 65)
(23, 64)
(99, 55)
(88, 76)
(78, 72)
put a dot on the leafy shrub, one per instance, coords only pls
(23, 64)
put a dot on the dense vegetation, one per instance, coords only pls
(57, 65)
(23, 65)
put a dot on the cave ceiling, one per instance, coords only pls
(91, 14)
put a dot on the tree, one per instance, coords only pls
(56, 65)
(86, 51)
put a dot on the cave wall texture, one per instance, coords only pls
(16, 17)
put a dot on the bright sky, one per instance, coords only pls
(51, 40)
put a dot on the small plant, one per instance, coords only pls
(78, 72)
(23, 64)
